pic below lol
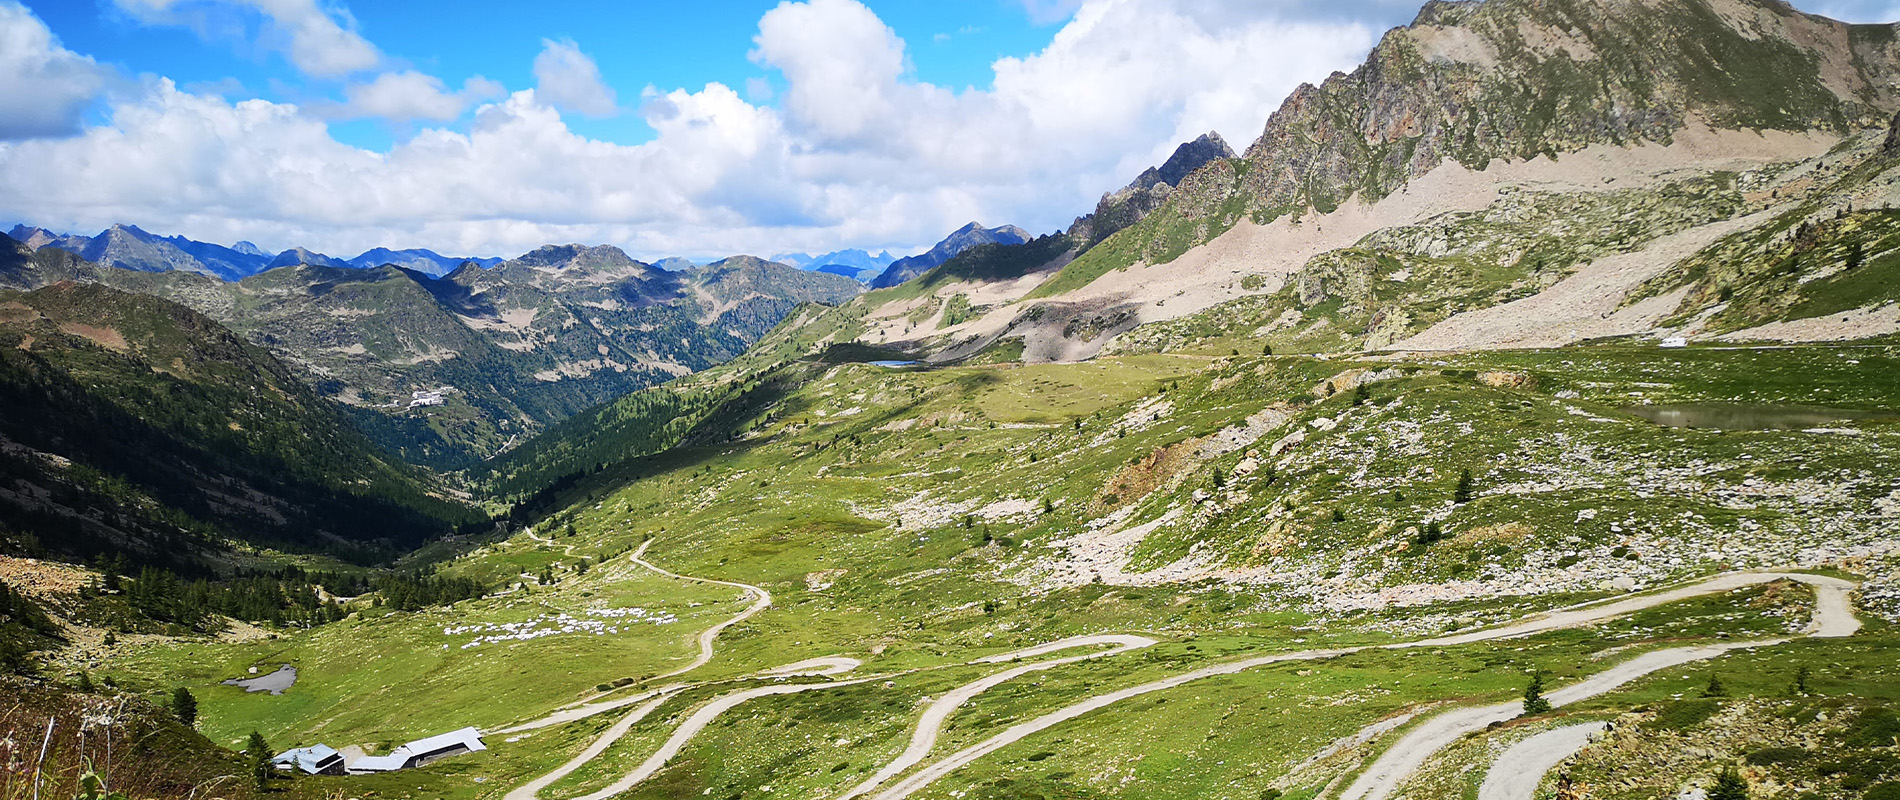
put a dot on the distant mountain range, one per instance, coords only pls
(963, 239)
(128, 247)
(855, 264)
(524, 343)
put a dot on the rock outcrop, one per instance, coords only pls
(1118, 210)
(1515, 79)
(963, 239)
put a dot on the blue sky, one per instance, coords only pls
(635, 44)
(706, 128)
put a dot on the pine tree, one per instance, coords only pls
(185, 707)
(1534, 702)
(1467, 488)
(1729, 785)
(1801, 679)
(1715, 687)
(85, 682)
(259, 754)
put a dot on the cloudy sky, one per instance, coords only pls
(705, 128)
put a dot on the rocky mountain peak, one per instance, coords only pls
(297, 255)
(1474, 82)
(1191, 156)
(962, 239)
(557, 257)
(1121, 209)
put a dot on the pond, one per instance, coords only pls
(892, 363)
(1746, 417)
(275, 683)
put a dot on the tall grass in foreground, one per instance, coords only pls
(51, 741)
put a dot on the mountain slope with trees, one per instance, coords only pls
(137, 426)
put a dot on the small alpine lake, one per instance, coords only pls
(1745, 416)
(275, 682)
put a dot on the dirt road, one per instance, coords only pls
(706, 638)
(924, 738)
(1833, 617)
(1516, 774)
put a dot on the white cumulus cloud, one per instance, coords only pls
(410, 95)
(852, 149)
(570, 80)
(842, 63)
(44, 88)
(318, 40)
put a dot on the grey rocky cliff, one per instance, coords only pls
(1472, 82)
(1119, 210)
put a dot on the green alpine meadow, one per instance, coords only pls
(1501, 403)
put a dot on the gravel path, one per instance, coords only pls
(1517, 773)
(1832, 618)
(924, 738)
(1397, 764)
(584, 709)
(706, 639)
(692, 726)
(652, 699)
(529, 790)
(545, 540)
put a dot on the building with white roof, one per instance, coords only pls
(422, 751)
(316, 760)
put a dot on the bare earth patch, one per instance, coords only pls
(42, 579)
(1861, 323)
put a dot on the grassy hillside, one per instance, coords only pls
(918, 518)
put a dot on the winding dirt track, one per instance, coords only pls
(653, 699)
(711, 634)
(931, 723)
(544, 540)
(1833, 617)
(1516, 774)
(529, 790)
(690, 728)
(585, 708)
